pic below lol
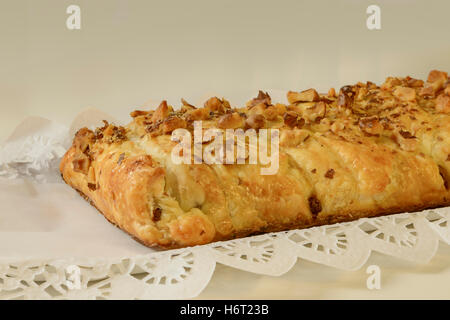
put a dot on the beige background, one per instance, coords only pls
(128, 52)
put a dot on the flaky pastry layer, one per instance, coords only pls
(367, 150)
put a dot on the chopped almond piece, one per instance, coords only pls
(304, 96)
(405, 93)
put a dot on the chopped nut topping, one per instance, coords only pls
(437, 76)
(172, 123)
(443, 103)
(197, 114)
(309, 95)
(405, 93)
(371, 125)
(270, 113)
(390, 83)
(230, 121)
(315, 112)
(263, 97)
(161, 112)
(414, 83)
(214, 104)
(255, 121)
(185, 106)
(291, 119)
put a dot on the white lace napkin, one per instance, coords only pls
(53, 245)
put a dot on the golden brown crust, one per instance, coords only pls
(365, 151)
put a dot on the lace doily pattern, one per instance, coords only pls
(184, 273)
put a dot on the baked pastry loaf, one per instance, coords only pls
(367, 150)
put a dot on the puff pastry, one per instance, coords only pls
(367, 150)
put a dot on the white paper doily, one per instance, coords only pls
(184, 273)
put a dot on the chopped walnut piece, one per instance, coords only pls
(371, 125)
(161, 112)
(405, 93)
(346, 96)
(230, 121)
(309, 95)
(263, 97)
(291, 119)
(214, 104)
(257, 109)
(443, 103)
(172, 123)
(315, 112)
(255, 121)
